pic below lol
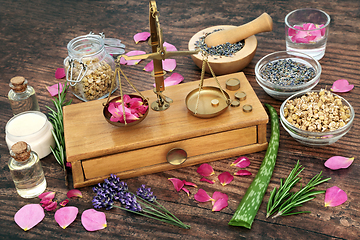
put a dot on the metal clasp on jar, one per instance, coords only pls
(70, 71)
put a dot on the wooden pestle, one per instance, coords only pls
(263, 23)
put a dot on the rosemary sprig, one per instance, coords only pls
(56, 119)
(285, 202)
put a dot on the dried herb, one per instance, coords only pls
(56, 119)
(284, 202)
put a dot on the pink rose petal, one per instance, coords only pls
(29, 216)
(205, 170)
(174, 79)
(185, 190)
(169, 47)
(46, 202)
(65, 216)
(202, 196)
(149, 67)
(189, 183)
(225, 178)
(220, 204)
(169, 65)
(131, 62)
(55, 89)
(241, 162)
(74, 193)
(68, 164)
(60, 73)
(338, 162)
(63, 203)
(242, 173)
(178, 184)
(334, 196)
(93, 220)
(207, 180)
(51, 206)
(218, 195)
(341, 85)
(143, 36)
(47, 195)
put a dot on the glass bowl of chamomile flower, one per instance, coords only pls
(285, 73)
(317, 117)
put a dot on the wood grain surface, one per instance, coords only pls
(34, 35)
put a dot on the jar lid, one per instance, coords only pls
(18, 84)
(20, 151)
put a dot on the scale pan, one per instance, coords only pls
(211, 102)
(107, 114)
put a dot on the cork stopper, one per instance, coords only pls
(18, 84)
(20, 151)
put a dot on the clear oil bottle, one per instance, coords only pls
(26, 171)
(22, 97)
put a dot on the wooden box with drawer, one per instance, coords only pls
(96, 148)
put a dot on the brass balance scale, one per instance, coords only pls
(203, 129)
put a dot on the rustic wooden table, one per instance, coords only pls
(34, 35)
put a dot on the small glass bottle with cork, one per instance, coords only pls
(22, 97)
(26, 171)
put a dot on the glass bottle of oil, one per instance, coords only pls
(26, 171)
(22, 97)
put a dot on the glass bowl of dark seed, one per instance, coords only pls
(285, 73)
(317, 117)
(225, 58)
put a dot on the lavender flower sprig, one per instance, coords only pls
(144, 203)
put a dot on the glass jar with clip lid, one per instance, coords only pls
(89, 66)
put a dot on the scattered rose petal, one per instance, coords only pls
(149, 67)
(63, 203)
(143, 36)
(185, 190)
(131, 62)
(242, 173)
(220, 204)
(45, 202)
(51, 206)
(205, 170)
(47, 195)
(178, 184)
(334, 196)
(218, 195)
(65, 216)
(202, 196)
(74, 193)
(341, 85)
(60, 73)
(207, 180)
(189, 183)
(68, 164)
(174, 79)
(29, 216)
(169, 47)
(55, 89)
(338, 162)
(241, 162)
(169, 65)
(225, 178)
(93, 220)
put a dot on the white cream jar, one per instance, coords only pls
(32, 127)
